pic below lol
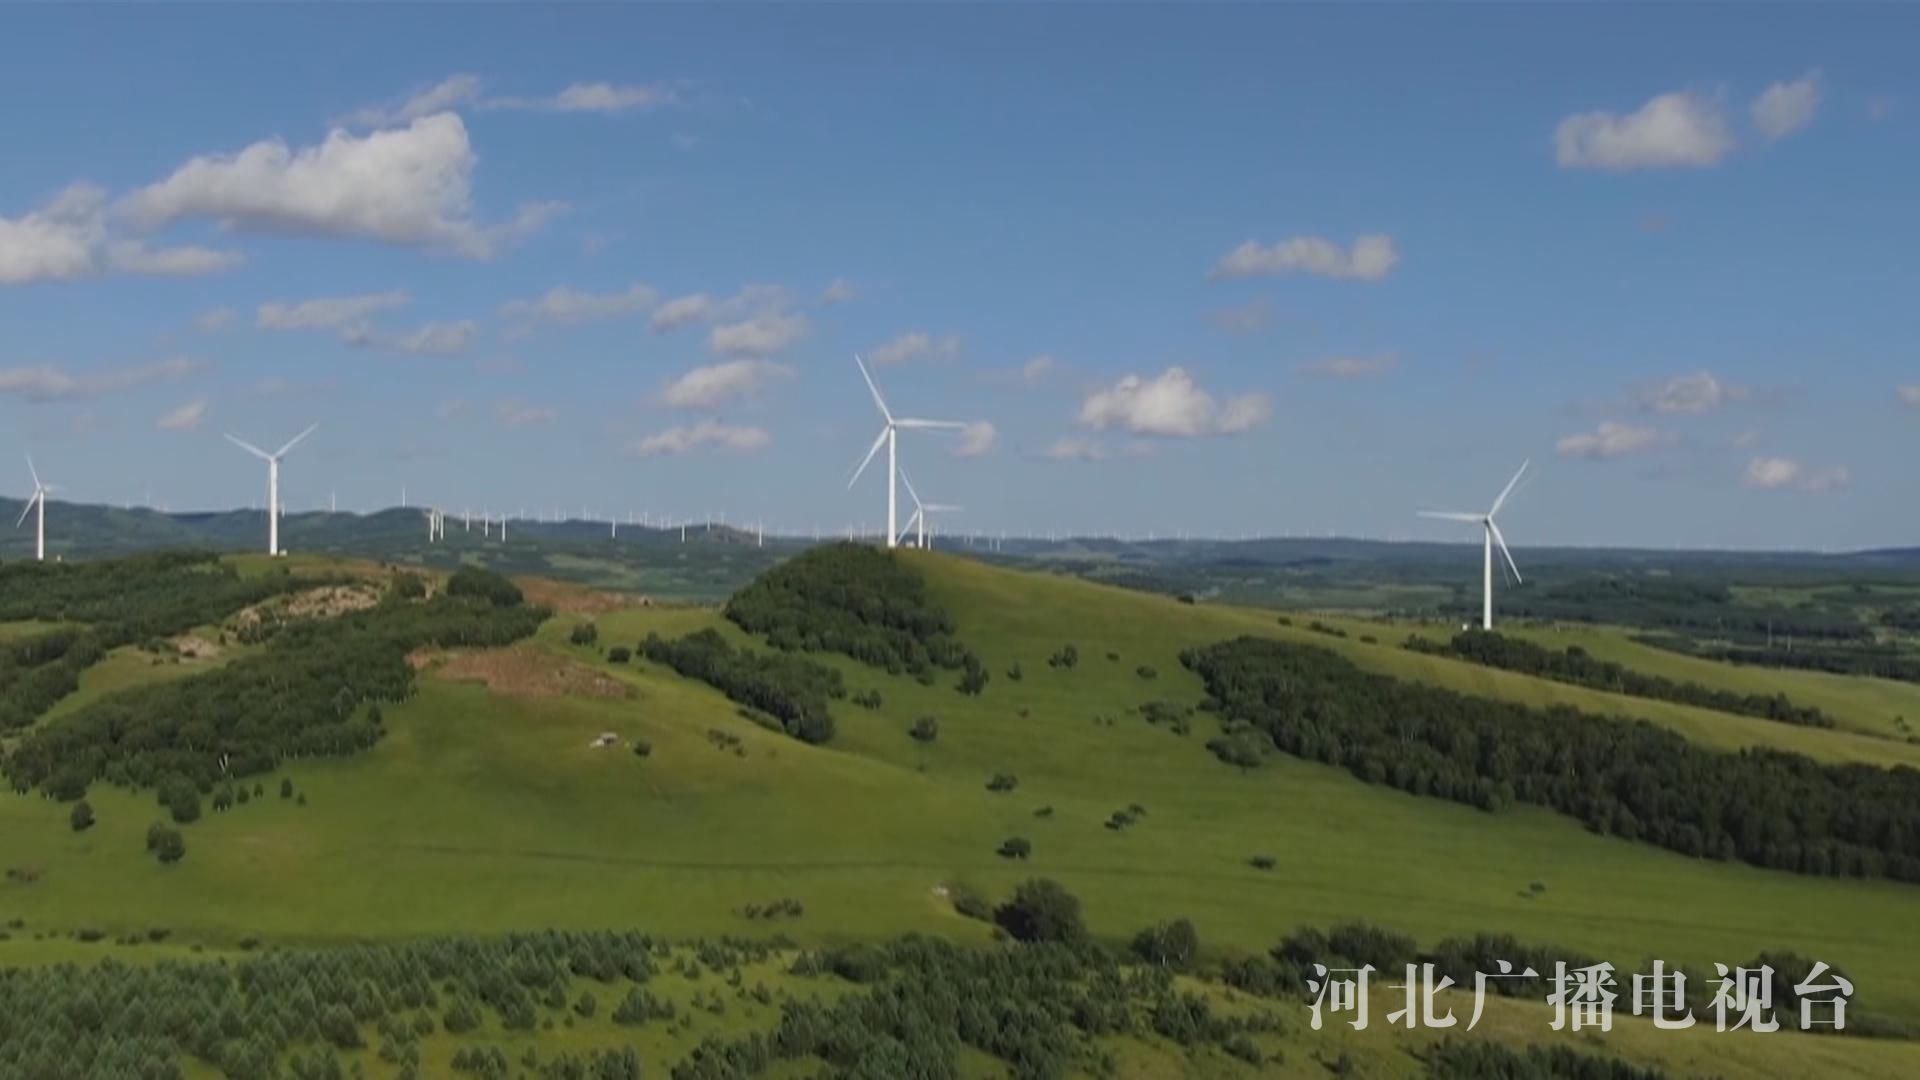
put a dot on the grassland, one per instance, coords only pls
(488, 809)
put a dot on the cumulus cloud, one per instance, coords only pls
(1786, 107)
(1779, 473)
(1067, 448)
(758, 335)
(1699, 392)
(458, 91)
(1353, 367)
(977, 439)
(716, 384)
(70, 238)
(1171, 405)
(1609, 440)
(1674, 130)
(513, 413)
(1038, 368)
(1371, 258)
(187, 417)
(449, 93)
(49, 383)
(565, 304)
(912, 345)
(328, 313)
(409, 186)
(681, 311)
(431, 339)
(680, 440)
(839, 292)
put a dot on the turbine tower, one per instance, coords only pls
(37, 499)
(273, 483)
(1492, 536)
(889, 436)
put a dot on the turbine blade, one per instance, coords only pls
(877, 399)
(912, 493)
(1502, 541)
(907, 528)
(250, 448)
(1508, 490)
(27, 509)
(1448, 515)
(865, 461)
(941, 425)
(295, 439)
(34, 471)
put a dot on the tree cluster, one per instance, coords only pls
(850, 599)
(1631, 779)
(1575, 666)
(792, 689)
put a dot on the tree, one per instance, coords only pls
(286, 787)
(926, 729)
(479, 584)
(1042, 910)
(168, 845)
(584, 633)
(1173, 945)
(82, 816)
(1015, 847)
(619, 654)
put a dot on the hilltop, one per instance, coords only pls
(572, 772)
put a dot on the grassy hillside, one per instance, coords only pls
(487, 808)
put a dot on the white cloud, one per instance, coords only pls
(680, 311)
(431, 339)
(518, 414)
(977, 439)
(839, 292)
(1675, 130)
(48, 383)
(680, 440)
(1353, 367)
(69, 238)
(911, 345)
(187, 417)
(1171, 405)
(328, 313)
(1784, 108)
(1070, 449)
(1777, 473)
(409, 186)
(1609, 440)
(1699, 392)
(217, 319)
(1038, 368)
(1248, 318)
(706, 387)
(1371, 258)
(565, 304)
(449, 93)
(761, 335)
(1909, 395)
(595, 97)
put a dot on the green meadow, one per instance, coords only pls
(488, 809)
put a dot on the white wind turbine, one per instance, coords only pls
(273, 483)
(1492, 537)
(918, 523)
(39, 499)
(889, 436)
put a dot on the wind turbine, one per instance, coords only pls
(889, 436)
(39, 499)
(1491, 529)
(273, 483)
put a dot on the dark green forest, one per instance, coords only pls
(792, 689)
(1626, 778)
(1576, 666)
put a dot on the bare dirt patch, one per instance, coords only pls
(325, 602)
(195, 647)
(567, 599)
(523, 671)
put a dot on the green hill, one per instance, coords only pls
(486, 807)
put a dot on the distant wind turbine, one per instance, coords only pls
(273, 483)
(1492, 536)
(889, 436)
(37, 499)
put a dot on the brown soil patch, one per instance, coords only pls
(325, 602)
(523, 671)
(566, 599)
(195, 647)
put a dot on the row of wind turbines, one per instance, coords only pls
(919, 525)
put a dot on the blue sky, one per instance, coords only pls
(1217, 270)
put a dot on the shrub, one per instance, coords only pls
(1014, 847)
(926, 729)
(1003, 782)
(619, 654)
(970, 903)
(166, 844)
(1263, 862)
(1172, 945)
(584, 633)
(1041, 910)
(81, 817)
(1066, 658)
(1014, 673)
(476, 583)
(286, 787)
(1146, 672)
(642, 748)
